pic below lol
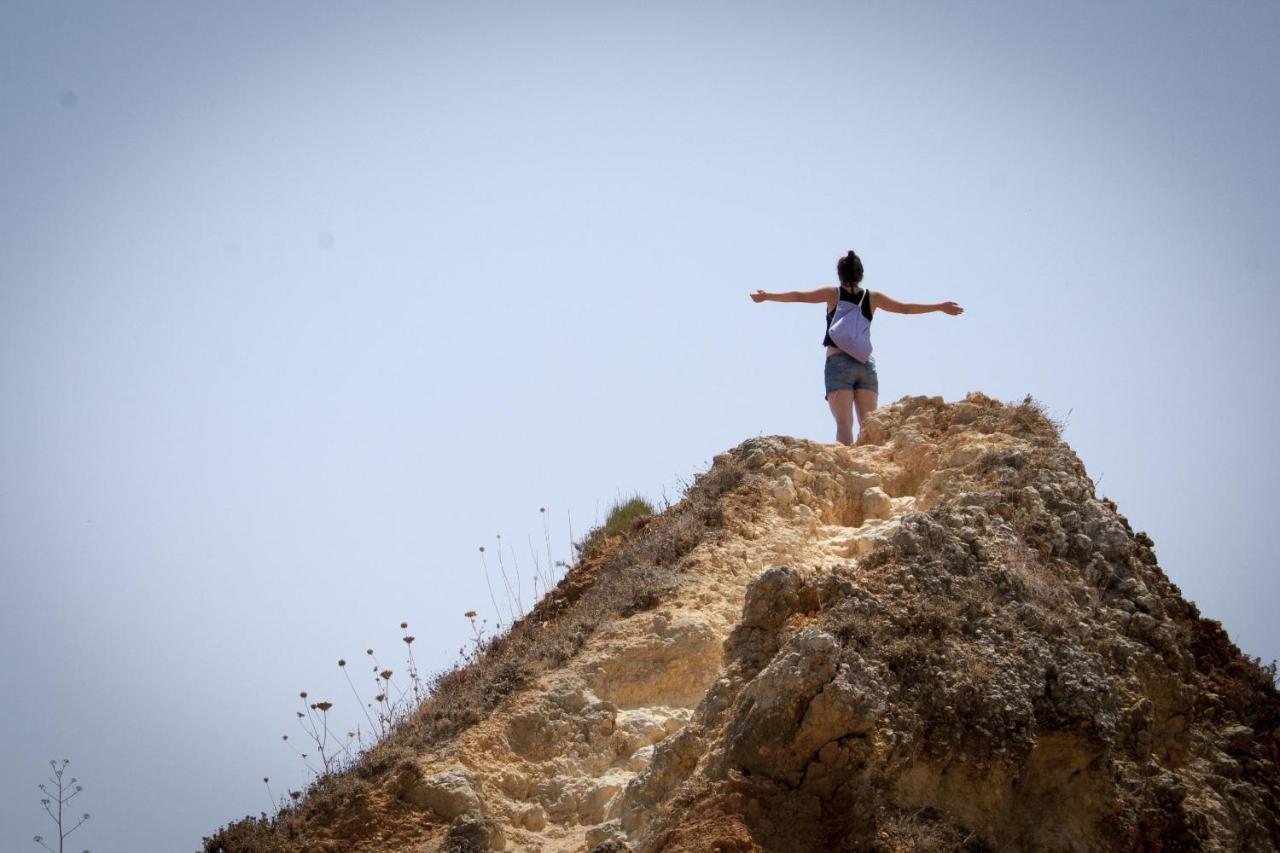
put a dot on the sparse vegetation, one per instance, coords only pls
(625, 566)
(55, 802)
(1269, 671)
(622, 519)
(1033, 415)
(923, 830)
(991, 640)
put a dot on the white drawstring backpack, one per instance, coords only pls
(850, 330)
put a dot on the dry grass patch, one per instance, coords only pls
(620, 576)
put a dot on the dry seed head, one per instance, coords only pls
(380, 697)
(404, 624)
(324, 706)
(470, 614)
(368, 651)
(342, 662)
(303, 694)
(481, 549)
(409, 640)
(386, 673)
(266, 778)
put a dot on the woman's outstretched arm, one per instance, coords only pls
(885, 303)
(822, 294)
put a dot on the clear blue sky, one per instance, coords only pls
(301, 303)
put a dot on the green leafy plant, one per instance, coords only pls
(621, 520)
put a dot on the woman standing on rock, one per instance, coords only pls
(851, 370)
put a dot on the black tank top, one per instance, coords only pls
(853, 296)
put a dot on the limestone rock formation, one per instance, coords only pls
(938, 639)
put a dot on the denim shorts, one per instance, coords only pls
(844, 373)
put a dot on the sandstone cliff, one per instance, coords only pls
(939, 639)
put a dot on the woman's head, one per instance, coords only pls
(849, 268)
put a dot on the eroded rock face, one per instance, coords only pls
(938, 639)
(1008, 669)
(446, 795)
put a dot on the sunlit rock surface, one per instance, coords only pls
(938, 639)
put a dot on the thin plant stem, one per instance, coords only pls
(310, 716)
(66, 792)
(413, 665)
(497, 611)
(546, 537)
(356, 694)
(520, 600)
(537, 567)
(506, 582)
(324, 741)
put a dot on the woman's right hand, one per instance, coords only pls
(952, 308)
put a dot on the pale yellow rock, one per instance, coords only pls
(599, 749)
(876, 504)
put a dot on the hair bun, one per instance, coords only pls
(849, 269)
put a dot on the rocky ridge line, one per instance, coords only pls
(937, 639)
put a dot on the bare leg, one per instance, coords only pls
(841, 403)
(865, 401)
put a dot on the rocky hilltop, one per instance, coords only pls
(938, 639)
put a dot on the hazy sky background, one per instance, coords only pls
(302, 302)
